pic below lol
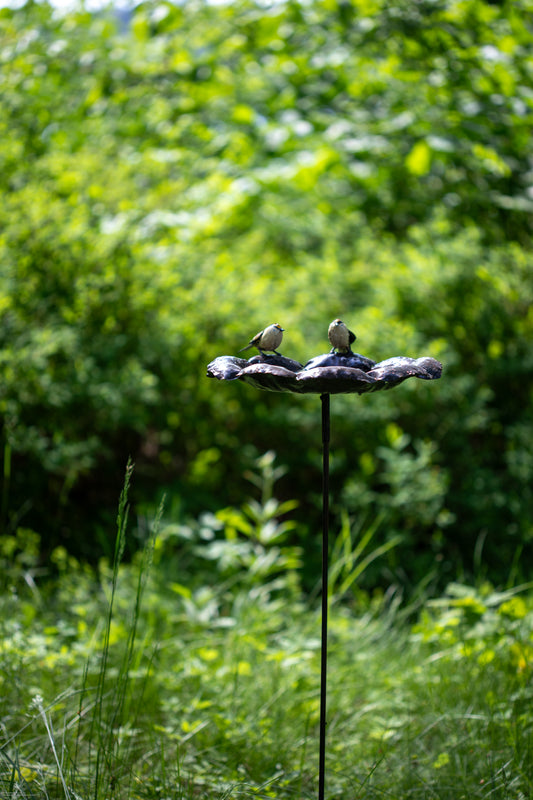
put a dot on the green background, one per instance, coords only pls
(175, 179)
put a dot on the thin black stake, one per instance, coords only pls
(325, 559)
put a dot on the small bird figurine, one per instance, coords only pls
(340, 337)
(268, 339)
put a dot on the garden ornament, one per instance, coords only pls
(341, 372)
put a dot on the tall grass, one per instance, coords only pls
(115, 709)
(193, 672)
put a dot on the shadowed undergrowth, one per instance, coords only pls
(193, 672)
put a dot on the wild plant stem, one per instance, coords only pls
(325, 551)
(105, 733)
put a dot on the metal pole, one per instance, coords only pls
(325, 552)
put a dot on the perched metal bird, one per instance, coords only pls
(268, 339)
(340, 337)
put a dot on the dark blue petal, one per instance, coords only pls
(225, 368)
(334, 380)
(351, 360)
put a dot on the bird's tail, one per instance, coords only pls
(245, 348)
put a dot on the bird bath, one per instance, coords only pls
(341, 372)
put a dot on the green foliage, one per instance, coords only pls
(125, 684)
(245, 548)
(171, 184)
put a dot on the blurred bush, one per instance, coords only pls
(173, 182)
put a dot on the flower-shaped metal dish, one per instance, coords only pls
(331, 373)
